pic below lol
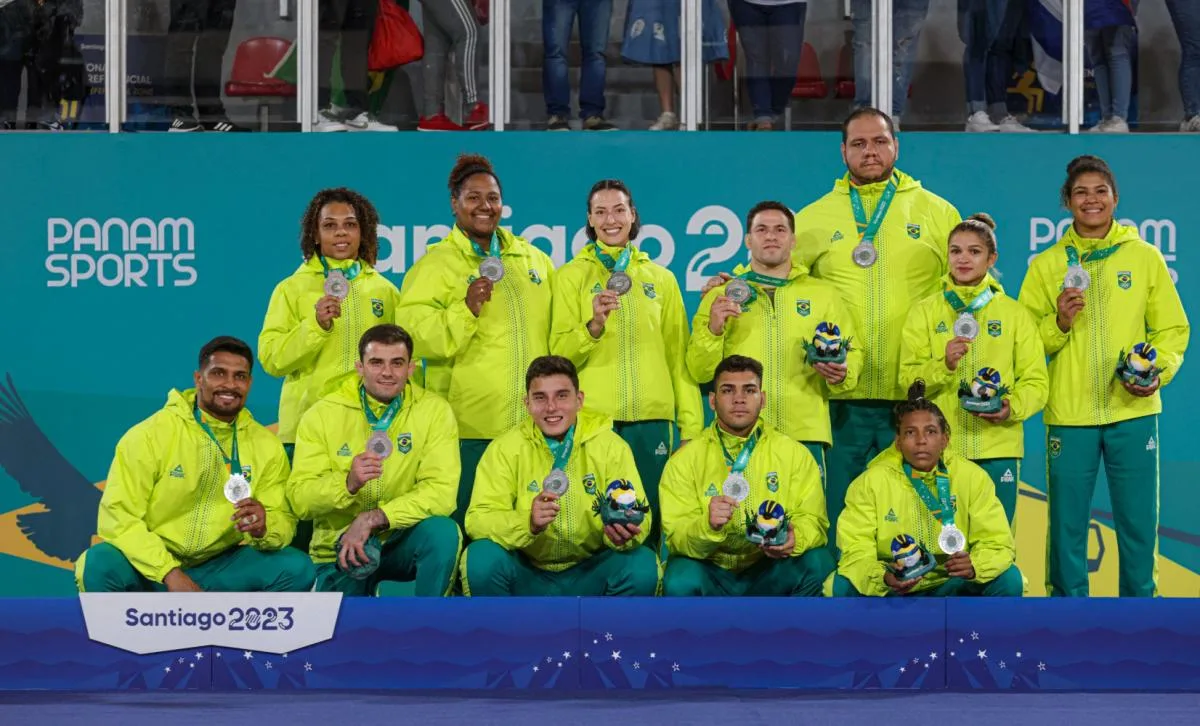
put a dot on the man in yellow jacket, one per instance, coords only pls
(195, 498)
(619, 317)
(1097, 293)
(775, 326)
(536, 516)
(376, 469)
(483, 331)
(922, 520)
(880, 238)
(719, 489)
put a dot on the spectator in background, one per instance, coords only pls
(1111, 37)
(558, 17)
(15, 20)
(772, 33)
(1185, 14)
(652, 38)
(39, 36)
(451, 25)
(990, 29)
(908, 17)
(193, 74)
(348, 22)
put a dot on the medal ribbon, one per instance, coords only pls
(1073, 259)
(493, 250)
(350, 272)
(766, 280)
(380, 423)
(867, 231)
(232, 461)
(738, 465)
(562, 449)
(620, 263)
(940, 507)
(959, 306)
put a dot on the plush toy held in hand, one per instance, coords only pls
(619, 504)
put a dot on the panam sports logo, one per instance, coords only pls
(1161, 233)
(114, 252)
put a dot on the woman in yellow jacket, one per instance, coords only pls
(478, 307)
(981, 357)
(619, 317)
(1096, 294)
(922, 520)
(317, 314)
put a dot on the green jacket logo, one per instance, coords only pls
(596, 289)
(534, 277)
(1125, 280)
(1055, 447)
(246, 473)
(914, 231)
(589, 483)
(836, 236)
(648, 288)
(994, 328)
(773, 481)
(344, 451)
(404, 443)
(377, 307)
(891, 516)
(471, 278)
(804, 307)
(941, 328)
(533, 487)
(177, 472)
(711, 491)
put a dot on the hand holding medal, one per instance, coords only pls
(365, 467)
(328, 308)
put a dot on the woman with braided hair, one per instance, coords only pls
(923, 520)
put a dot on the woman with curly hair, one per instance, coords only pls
(318, 313)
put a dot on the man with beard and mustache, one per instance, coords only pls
(189, 486)
(376, 470)
(880, 238)
(478, 308)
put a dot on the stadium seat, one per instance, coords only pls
(809, 83)
(256, 58)
(844, 81)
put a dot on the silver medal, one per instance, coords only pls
(952, 540)
(492, 268)
(736, 487)
(380, 444)
(556, 482)
(1077, 277)
(336, 285)
(738, 290)
(966, 326)
(865, 254)
(237, 488)
(619, 283)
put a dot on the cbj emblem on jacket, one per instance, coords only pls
(404, 443)
(804, 307)
(648, 288)
(1124, 279)
(772, 481)
(534, 277)
(994, 329)
(589, 483)
(914, 230)
(377, 307)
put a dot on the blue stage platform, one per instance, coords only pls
(563, 645)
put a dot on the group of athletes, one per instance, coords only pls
(496, 426)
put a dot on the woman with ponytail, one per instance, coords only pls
(923, 520)
(979, 352)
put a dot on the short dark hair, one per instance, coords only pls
(619, 186)
(1085, 164)
(225, 344)
(768, 206)
(387, 334)
(467, 166)
(916, 401)
(368, 223)
(551, 365)
(738, 364)
(867, 111)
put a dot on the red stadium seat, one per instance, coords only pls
(256, 58)
(809, 83)
(844, 81)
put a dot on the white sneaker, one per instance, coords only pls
(668, 121)
(1010, 124)
(1190, 125)
(1099, 128)
(979, 122)
(1116, 125)
(357, 123)
(372, 124)
(325, 123)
